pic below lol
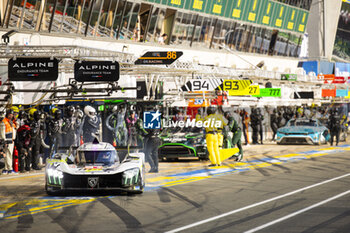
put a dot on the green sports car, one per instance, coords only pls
(181, 144)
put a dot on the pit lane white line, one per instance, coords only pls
(254, 205)
(297, 212)
(20, 176)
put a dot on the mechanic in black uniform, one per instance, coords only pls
(22, 142)
(334, 126)
(140, 132)
(254, 124)
(54, 124)
(152, 143)
(233, 127)
(274, 123)
(36, 126)
(260, 118)
(131, 126)
(69, 128)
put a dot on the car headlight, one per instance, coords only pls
(54, 176)
(130, 176)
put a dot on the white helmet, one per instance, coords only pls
(90, 111)
(115, 108)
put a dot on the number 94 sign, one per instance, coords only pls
(200, 85)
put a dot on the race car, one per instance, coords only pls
(303, 131)
(182, 145)
(95, 166)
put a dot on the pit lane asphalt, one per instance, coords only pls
(185, 193)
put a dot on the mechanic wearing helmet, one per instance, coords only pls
(79, 122)
(22, 144)
(22, 118)
(35, 125)
(54, 124)
(116, 123)
(22, 141)
(131, 126)
(212, 138)
(91, 124)
(68, 128)
(334, 126)
(233, 127)
(9, 134)
(15, 115)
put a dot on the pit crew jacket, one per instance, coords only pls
(10, 132)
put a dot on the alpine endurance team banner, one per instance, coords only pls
(96, 71)
(33, 69)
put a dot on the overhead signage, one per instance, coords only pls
(269, 92)
(304, 95)
(158, 58)
(251, 90)
(202, 85)
(289, 77)
(236, 85)
(198, 103)
(339, 80)
(341, 93)
(342, 69)
(240, 87)
(328, 92)
(325, 77)
(328, 79)
(96, 71)
(33, 69)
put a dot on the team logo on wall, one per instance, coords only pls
(152, 120)
(33, 69)
(92, 181)
(96, 71)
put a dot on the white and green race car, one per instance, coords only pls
(95, 166)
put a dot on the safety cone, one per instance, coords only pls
(114, 143)
(81, 140)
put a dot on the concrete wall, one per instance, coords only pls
(322, 36)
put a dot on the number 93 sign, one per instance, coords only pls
(240, 87)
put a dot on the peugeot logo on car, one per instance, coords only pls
(92, 181)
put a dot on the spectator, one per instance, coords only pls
(163, 38)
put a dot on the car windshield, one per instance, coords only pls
(93, 157)
(302, 123)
